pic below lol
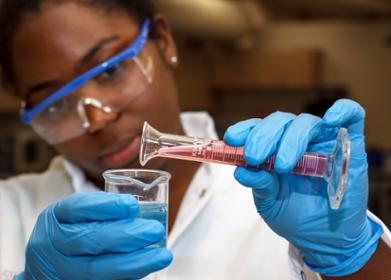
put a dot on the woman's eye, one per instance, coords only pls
(109, 73)
(57, 107)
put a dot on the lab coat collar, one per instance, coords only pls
(197, 195)
(78, 178)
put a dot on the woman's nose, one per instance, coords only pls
(98, 118)
(94, 115)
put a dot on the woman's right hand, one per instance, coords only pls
(94, 236)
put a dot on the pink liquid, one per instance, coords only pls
(311, 164)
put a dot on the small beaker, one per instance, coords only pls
(149, 187)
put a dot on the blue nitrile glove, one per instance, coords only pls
(333, 242)
(94, 236)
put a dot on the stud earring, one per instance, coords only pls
(174, 59)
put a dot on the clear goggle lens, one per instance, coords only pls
(68, 117)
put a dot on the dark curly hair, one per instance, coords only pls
(12, 13)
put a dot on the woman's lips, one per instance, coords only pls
(124, 155)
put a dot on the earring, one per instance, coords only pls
(174, 59)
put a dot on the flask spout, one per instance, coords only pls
(149, 143)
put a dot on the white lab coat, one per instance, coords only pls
(217, 235)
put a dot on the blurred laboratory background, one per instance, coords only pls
(248, 58)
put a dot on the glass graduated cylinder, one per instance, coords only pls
(311, 164)
(332, 167)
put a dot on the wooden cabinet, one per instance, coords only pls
(266, 68)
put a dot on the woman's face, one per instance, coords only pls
(49, 47)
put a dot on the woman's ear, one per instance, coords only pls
(165, 41)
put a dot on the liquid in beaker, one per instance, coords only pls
(149, 187)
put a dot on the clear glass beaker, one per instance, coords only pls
(149, 187)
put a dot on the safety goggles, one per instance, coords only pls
(114, 84)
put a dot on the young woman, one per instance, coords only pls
(89, 74)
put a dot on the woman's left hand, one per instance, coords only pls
(333, 242)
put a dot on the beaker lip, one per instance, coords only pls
(114, 172)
